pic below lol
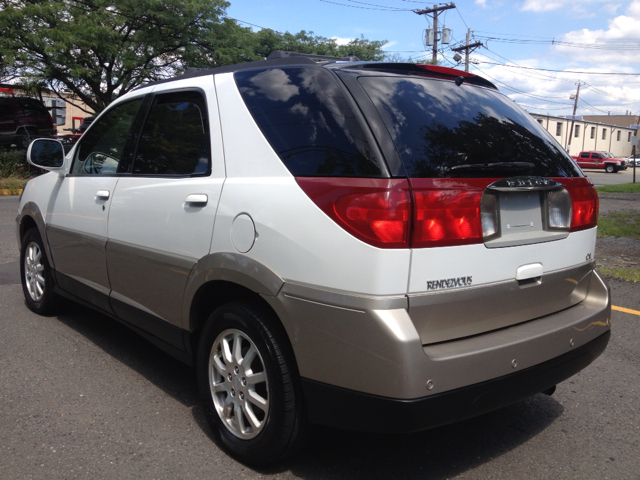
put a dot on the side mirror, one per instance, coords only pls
(46, 154)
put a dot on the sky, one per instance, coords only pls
(534, 51)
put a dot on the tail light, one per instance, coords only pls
(377, 211)
(558, 210)
(447, 211)
(420, 213)
(584, 200)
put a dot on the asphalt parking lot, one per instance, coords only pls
(83, 397)
(600, 177)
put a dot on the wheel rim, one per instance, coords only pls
(26, 140)
(34, 271)
(239, 384)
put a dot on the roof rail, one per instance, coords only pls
(284, 54)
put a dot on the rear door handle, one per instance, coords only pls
(199, 198)
(103, 194)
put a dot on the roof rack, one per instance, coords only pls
(284, 54)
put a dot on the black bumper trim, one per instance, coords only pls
(342, 408)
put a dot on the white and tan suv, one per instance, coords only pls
(372, 246)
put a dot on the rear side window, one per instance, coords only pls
(175, 136)
(304, 115)
(442, 130)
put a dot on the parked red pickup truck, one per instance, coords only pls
(601, 159)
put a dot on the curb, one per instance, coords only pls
(6, 191)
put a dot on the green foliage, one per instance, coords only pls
(622, 188)
(267, 41)
(102, 49)
(619, 224)
(12, 185)
(13, 163)
(626, 273)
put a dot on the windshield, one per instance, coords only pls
(442, 130)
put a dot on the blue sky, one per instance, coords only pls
(598, 37)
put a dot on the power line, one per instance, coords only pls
(553, 41)
(521, 92)
(564, 71)
(367, 8)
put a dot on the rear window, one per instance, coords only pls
(306, 118)
(442, 130)
(32, 107)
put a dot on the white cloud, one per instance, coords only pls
(342, 41)
(623, 30)
(581, 7)
(548, 92)
(482, 3)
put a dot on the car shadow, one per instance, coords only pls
(329, 453)
(170, 375)
(442, 452)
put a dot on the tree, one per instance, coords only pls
(101, 49)
(267, 41)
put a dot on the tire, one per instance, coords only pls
(24, 139)
(35, 274)
(610, 168)
(256, 408)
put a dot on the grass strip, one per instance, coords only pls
(12, 185)
(630, 274)
(619, 224)
(622, 188)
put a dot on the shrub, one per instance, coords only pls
(13, 163)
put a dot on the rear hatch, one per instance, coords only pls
(503, 220)
(497, 218)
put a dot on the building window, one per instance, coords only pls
(618, 137)
(593, 133)
(604, 133)
(558, 129)
(577, 131)
(629, 137)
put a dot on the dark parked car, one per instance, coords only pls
(22, 120)
(84, 124)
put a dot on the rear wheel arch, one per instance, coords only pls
(217, 293)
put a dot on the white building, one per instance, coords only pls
(588, 135)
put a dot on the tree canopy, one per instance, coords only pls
(101, 49)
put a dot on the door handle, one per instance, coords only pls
(199, 198)
(103, 194)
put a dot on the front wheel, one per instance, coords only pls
(249, 384)
(610, 169)
(35, 271)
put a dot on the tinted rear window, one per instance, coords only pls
(32, 107)
(442, 130)
(306, 118)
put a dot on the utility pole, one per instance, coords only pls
(433, 12)
(467, 49)
(575, 107)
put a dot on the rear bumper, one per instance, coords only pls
(348, 409)
(371, 345)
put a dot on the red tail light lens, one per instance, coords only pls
(584, 199)
(377, 211)
(447, 212)
(425, 212)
